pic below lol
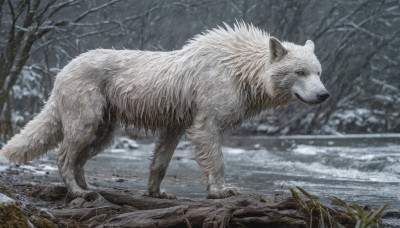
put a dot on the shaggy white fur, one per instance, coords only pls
(216, 81)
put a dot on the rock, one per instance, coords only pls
(5, 200)
(125, 143)
(10, 214)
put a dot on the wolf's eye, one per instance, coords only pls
(319, 73)
(301, 73)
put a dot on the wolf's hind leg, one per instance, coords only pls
(102, 139)
(206, 137)
(82, 111)
(67, 156)
(99, 143)
(165, 147)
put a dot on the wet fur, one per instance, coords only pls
(215, 82)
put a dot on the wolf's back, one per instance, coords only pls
(38, 136)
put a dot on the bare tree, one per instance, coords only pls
(356, 42)
(27, 26)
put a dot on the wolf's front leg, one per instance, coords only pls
(165, 146)
(207, 141)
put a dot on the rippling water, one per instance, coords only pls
(362, 169)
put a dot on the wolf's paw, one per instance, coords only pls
(223, 193)
(161, 194)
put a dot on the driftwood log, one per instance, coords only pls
(118, 208)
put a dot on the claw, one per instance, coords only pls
(165, 195)
(223, 193)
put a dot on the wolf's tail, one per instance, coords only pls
(39, 135)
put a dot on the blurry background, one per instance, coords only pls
(356, 41)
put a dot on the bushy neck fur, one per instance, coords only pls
(243, 50)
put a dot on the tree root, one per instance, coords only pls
(117, 208)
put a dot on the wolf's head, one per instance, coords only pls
(294, 72)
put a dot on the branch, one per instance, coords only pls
(91, 10)
(40, 15)
(339, 19)
(55, 9)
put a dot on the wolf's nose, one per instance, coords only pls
(323, 96)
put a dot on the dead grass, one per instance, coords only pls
(324, 216)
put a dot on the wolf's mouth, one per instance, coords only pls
(307, 102)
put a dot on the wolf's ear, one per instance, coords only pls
(278, 51)
(310, 44)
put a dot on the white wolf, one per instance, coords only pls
(216, 81)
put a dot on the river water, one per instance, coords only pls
(363, 169)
